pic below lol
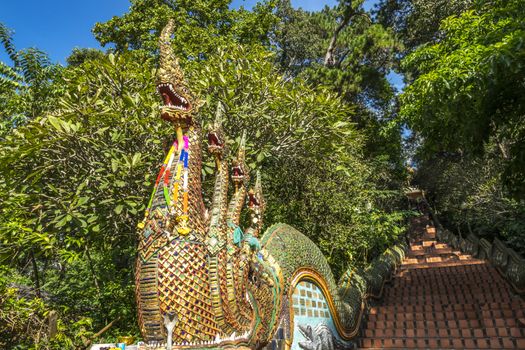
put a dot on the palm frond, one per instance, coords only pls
(32, 63)
(9, 78)
(6, 38)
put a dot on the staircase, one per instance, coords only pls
(443, 299)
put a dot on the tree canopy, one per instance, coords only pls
(81, 143)
(469, 87)
(464, 104)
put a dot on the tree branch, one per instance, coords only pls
(99, 333)
(329, 59)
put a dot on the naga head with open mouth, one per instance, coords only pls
(240, 174)
(178, 103)
(216, 137)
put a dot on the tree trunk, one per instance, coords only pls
(36, 276)
(329, 59)
(92, 269)
(349, 12)
(53, 319)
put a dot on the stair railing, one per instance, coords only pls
(507, 262)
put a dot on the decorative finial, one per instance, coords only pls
(219, 112)
(242, 147)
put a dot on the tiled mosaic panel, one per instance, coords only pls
(310, 307)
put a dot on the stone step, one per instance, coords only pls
(442, 343)
(506, 325)
(517, 305)
(471, 292)
(447, 315)
(513, 332)
(441, 298)
(426, 265)
(450, 299)
(432, 252)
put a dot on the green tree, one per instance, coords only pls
(201, 26)
(469, 88)
(81, 55)
(468, 194)
(26, 85)
(75, 181)
(418, 22)
(340, 47)
(360, 55)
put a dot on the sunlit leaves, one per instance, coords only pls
(470, 85)
(81, 174)
(26, 83)
(200, 26)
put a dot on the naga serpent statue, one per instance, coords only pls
(203, 282)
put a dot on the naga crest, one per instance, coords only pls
(179, 104)
(256, 205)
(240, 174)
(216, 137)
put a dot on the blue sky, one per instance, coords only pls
(57, 26)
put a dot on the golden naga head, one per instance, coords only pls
(216, 137)
(240, 173)
(256, 200)
(179, 105)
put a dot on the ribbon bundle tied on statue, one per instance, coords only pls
(163, 175)
(182, 171)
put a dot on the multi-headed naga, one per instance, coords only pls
(202, 281)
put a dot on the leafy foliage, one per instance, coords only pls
(470, 87)
(465, 107)
(467, 191)
(418, 22)
(201, 26)
(362, 55)
(24, 318)
(81, 55)
(26, 86)
(360, 58)
(75, 183)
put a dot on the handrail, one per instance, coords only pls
(507, 262)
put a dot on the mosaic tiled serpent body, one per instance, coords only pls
(215, 284)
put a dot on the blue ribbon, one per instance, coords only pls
(237, 236)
